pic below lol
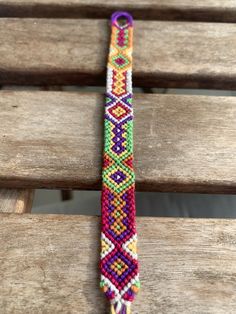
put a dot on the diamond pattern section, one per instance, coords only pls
(119, 112)
(122, 38)
(119, 267)
(119, 83)
(120, 61)
(118, 148)
(118, 178)
(118, 227)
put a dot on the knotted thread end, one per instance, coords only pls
(119, 308)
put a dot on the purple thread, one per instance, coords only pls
(115, 16)
(123, 309)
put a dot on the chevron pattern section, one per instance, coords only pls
(119, 265)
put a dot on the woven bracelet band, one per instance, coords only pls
(119, 265)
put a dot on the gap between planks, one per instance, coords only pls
(16, 201)
(204, 10)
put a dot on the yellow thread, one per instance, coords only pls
(128, 309)
(112, 309)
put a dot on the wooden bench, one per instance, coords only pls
(53, 139)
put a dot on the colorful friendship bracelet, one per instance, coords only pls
(119, 265)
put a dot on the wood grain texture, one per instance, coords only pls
(203, 10)
(74, 51)
(16, 201)
(49, 264)
(55, 140)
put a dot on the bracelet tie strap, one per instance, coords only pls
(119, 265)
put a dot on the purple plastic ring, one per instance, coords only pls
(115, 16)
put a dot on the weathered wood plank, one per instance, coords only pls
(54, 140)
(203, 10)
(186, 265)
(72, 51)
(16, 201)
